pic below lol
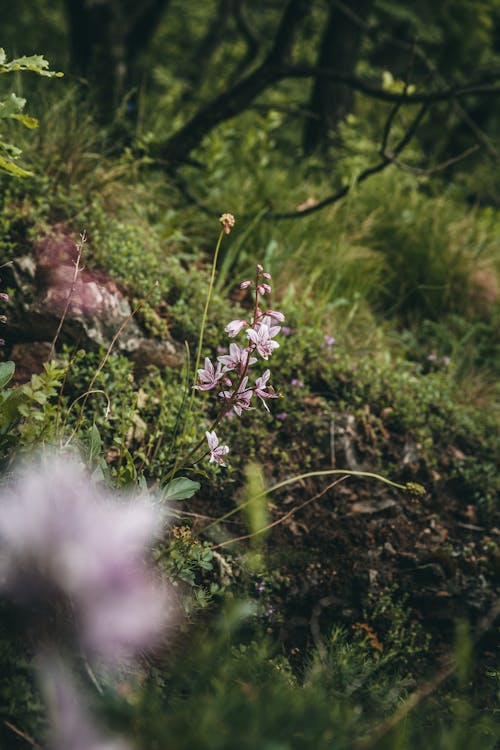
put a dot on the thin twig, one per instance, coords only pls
(22, 734)
(281, 519)
(79, 247)
(101, 365)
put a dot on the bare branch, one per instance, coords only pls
(387, 158)
(370, 89)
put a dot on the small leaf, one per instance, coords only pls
(95, 442)
(9, 166)
(27, 121)
(6, 372)
(180, 489)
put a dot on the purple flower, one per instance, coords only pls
(282, 416)
(237, 359)
(71, 725)
(432, 357)
(261, 386)
(286, 330)
(2, 342)
(243, 397)
(217, 452)
(261, 336)
(276, 315)
(245, 284)
(329, 340)
(209, 377)
(62, 538)
(4, 296)
(297, 383)
(234, 327)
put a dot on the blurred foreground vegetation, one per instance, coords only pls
(389, 364)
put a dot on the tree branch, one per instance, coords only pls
(236, 99)
(387, 158)
(370, 89)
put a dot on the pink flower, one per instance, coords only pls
(276, 315)
(234, 327)
(329, 340)
(297, 383)
(245, 284)
(4, 296)
(237, 359)
(217, 452)
(241, 399)
(209, 377)
(261, 336)
(260, 389)
(63, 538)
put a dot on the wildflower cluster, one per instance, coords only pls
(230, 375)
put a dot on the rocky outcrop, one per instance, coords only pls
(48, 288)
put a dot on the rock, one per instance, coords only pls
(48, 287)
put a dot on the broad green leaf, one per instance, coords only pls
(6, 372)
(180, 489)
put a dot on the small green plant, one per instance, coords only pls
(12, 108)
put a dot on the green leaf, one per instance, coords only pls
(27, 121)
(95, 443)
(180, 489)
(9, 166)
(11, 105)
(35, 63)
(6, 372)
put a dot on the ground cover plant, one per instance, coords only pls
(249, 381)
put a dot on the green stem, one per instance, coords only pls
(308, 475)
(198, 356)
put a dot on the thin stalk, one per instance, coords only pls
(298, 478)
(198, 356)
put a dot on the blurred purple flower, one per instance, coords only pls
(61, 537)
(282, 416)
(297, 383)
(329, 340)
(286, 330)
(432, 357)
(71, 726)
(234, 327)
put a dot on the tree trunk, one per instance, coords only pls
(106, 37)
(339, 50)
